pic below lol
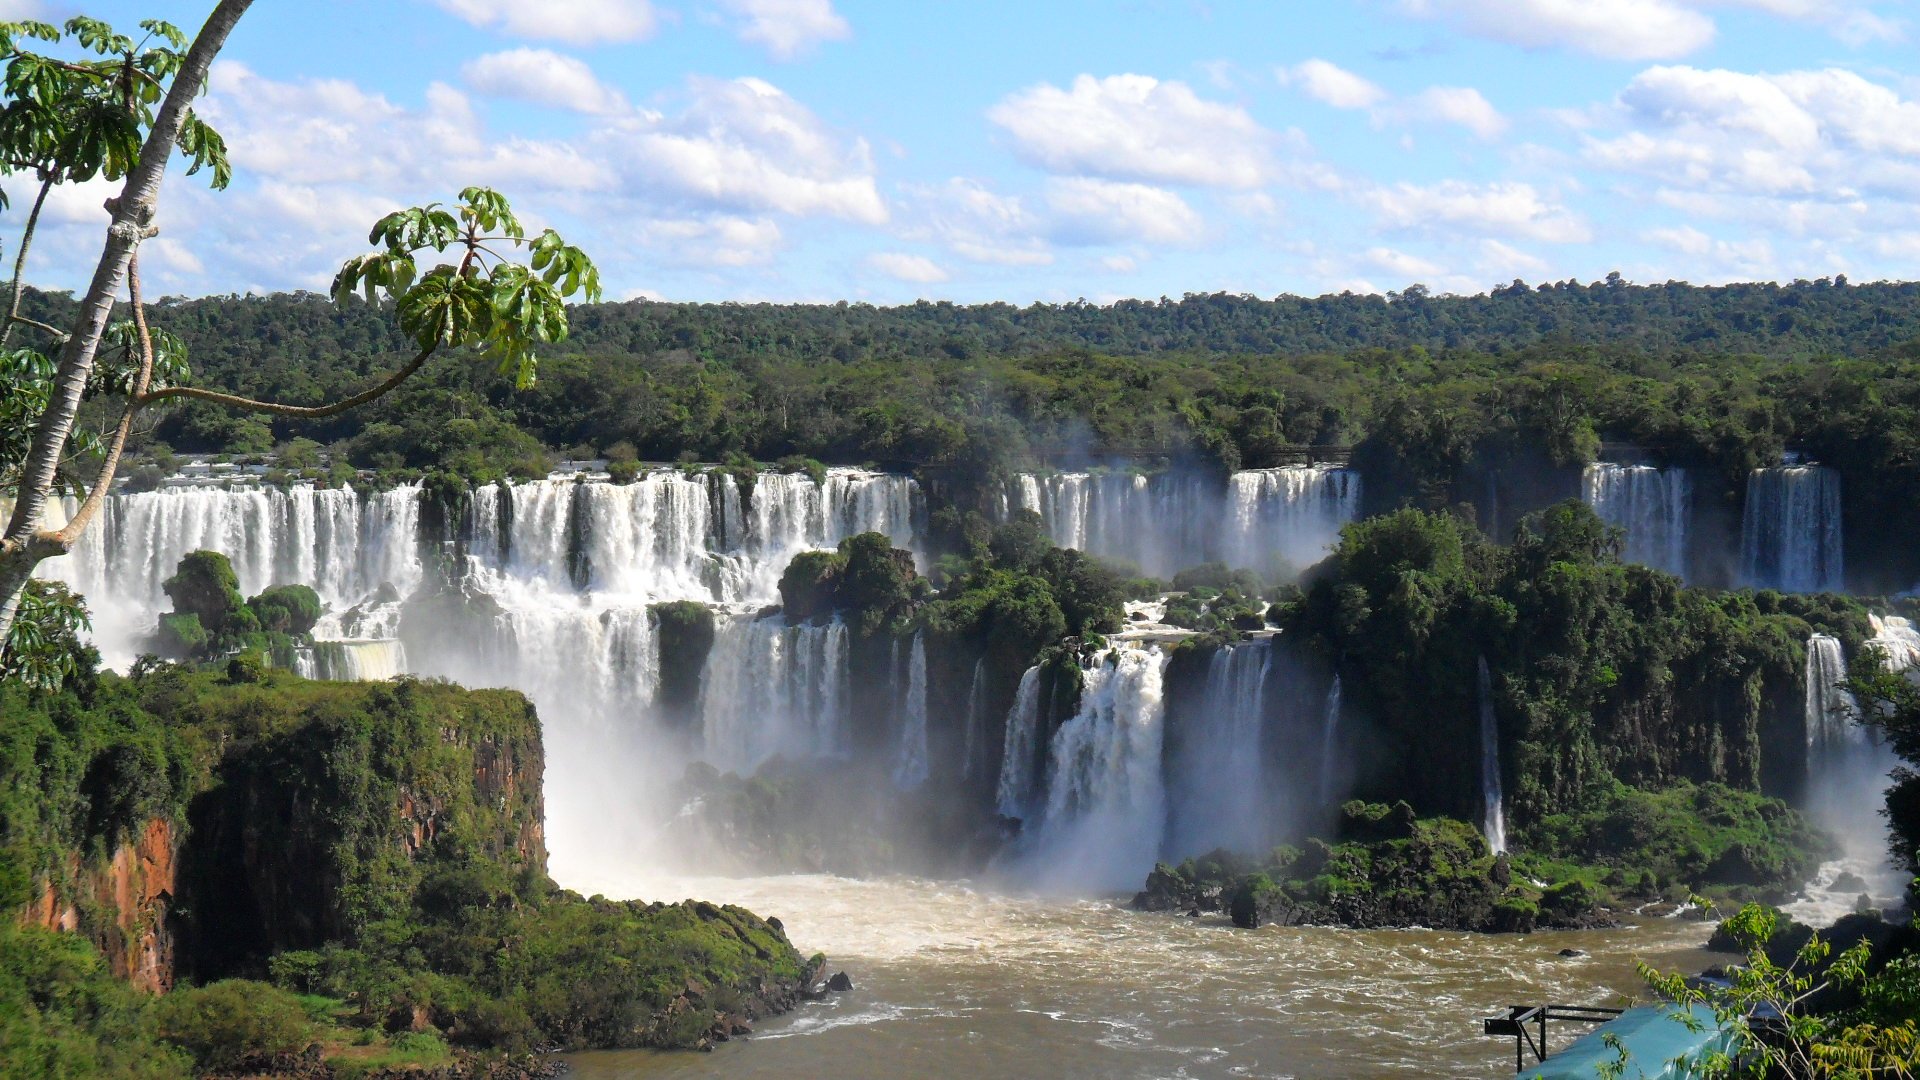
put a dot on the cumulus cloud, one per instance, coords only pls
(1462, 105)
(1818, 134)
(1342, 89)
(744, 144)
(721, 240)
(904, 267)
(1499, 209)
(787, 28)
(1618, 29)
(978, 224)
(1332, 85)
(1091, 211)
(543, 77)
(1135, 127)
(1408, 267)
(579, 22)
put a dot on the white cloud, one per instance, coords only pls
(1500, 209)
(1616, 29)
(579, 22)
(1092, 211)
(1501, 260)
(1120, 264)
(905, 267)
(744, 144)
(787, 28)
(717, 241)
(1332, 85)
(1461, 105)
(1135, 127)
(977, 224)
(1822, 135)
(544, 78)
(1406, 266)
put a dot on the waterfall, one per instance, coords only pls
(1652, 505)
(1330, 745)
(976, 719)
(351, 661)
(1218, 788)
(1171, 521)
(773, 689)
(1105, 800)
(1832, 715)
(1018, 765)
(1791, 536)
(910, 762)
(1293, 514)
(1847, 775)
(1495, 822)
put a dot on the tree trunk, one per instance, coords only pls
(24, 545)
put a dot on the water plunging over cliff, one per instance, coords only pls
(1019, 764)
(1791, 536)
(1171, 521)
(1217, 793)
(1494, 821)
(373, 660)
(1105, 799)
(910, 759)
(1330, 745)
(1847, 774)
(771, 688)
(1653, 506)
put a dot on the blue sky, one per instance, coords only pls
(886, 151)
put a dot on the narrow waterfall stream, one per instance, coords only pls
(1494, 816)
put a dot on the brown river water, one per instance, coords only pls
(956, 981)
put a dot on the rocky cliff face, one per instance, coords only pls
(129, 895)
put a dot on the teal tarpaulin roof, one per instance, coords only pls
(1659, 1042)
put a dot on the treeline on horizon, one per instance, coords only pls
(1434, 393)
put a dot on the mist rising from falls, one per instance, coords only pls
(1106, 802)
(1264, 519)
(1654, 506)
(1494, 811)
(1217, 788)
(1791, 535)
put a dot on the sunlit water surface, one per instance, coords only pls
(956, 981)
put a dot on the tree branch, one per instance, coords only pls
(301, 412)
(59, 335)
(20, 267)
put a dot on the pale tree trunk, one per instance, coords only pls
(25, 544)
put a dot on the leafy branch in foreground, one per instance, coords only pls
(1764, 1005)
(482, 300)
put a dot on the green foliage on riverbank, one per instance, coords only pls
(1600, 673)
(380, 844)
(1388, 867)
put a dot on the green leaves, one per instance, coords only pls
(117, 365)
(74, 120)
(486, 301)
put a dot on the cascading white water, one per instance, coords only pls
(976, 719)
(1494, 822)
(1832, 715)
(773, 689)
(1330, 745)
(1791, 536)
(910, 758)
(372, 661)
(1847, 775)
(1217, 793)
(1171, 521)
(1018, 770)
(1293, 514)
(1653, 505)
(341, 544)
(1105, 799)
